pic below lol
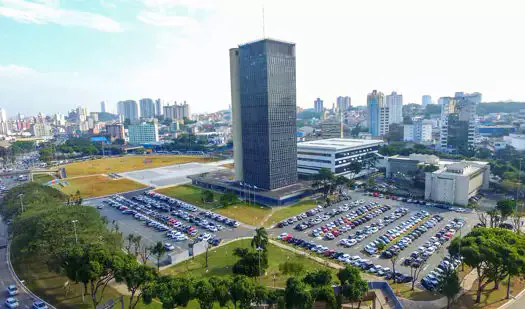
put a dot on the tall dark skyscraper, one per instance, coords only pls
(264, 108)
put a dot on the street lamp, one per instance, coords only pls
(259, 249)
(21, 202)
(75, 228)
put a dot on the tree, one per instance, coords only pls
(136, 276)
(291, 268)
(221, 289)
(394, 260)
(171, 291)
(352, 285)
(204, 294)
(130, 241)
(318, 277)
(228, 199)
(517, 217)
(325, 293)
(415, 271)
(260, 239)
(449, 285)
(158, 251)
(493, 253)
(144, 252)
(93, 265)
(505, 208)
(207, 196)
(137, 244)
(249, 262)
(242, 291)
(324, 179)
(296, 295)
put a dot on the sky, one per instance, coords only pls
(58, 54)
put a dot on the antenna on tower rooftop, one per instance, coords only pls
(264, 34)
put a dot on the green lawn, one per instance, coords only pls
(190, 194)
(42, 178)
(50, 286)
(288, 211)
(248, 214)
(241, 211)
(221, 260)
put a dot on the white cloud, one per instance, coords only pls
(167, 4)
(28, 12)
(12, 70)
(162, 20)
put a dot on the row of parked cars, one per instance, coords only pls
(349, 221)
(360, 235)
(175, 203)
(387, 238)
(416, 201)
(432, 280)
(320, 216)
(342, 257)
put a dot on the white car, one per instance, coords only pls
(12, 290)
(11, 303)
(169, 246)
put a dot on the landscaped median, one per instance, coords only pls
(98, 185)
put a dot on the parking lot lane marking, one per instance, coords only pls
(425, 268)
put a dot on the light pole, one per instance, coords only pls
(259, 249)
(75, 228)
(21, 202)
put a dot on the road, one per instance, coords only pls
(6, 277)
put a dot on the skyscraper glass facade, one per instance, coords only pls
(268, 112)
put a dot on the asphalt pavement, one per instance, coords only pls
(128, 225)
(432, 262)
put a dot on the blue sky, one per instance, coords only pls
(57, 54)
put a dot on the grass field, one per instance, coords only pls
(42, 178)
(50, 286)
(490, 298)
(190, 194)
(91, 186)
(252, 215)
(127, 163)
(221, 261)
(288, 211)
(241, 211)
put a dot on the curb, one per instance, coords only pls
(512, 300)
(20, 283)
(124, 192)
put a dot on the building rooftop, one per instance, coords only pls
(335, 144)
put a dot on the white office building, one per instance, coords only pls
(335, 154)
(515, 140)
(420, 131)
(143, 133)
(456, 183)
(394, 102)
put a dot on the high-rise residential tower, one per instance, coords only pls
(263, 88)
(128, 109)
(344, 103)
(377, 113)
(459, 122)
(102, 107)
(318, 105)
(394, 102)
(159, 107)
(425, 100)
(147, 108)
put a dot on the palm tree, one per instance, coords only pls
(260, 239)
(158, 251)
(130, 238)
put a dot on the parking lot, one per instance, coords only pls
(381, 216)
(176, 223)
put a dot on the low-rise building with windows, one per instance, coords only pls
(335, 154)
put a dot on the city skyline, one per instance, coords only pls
(167, 55)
